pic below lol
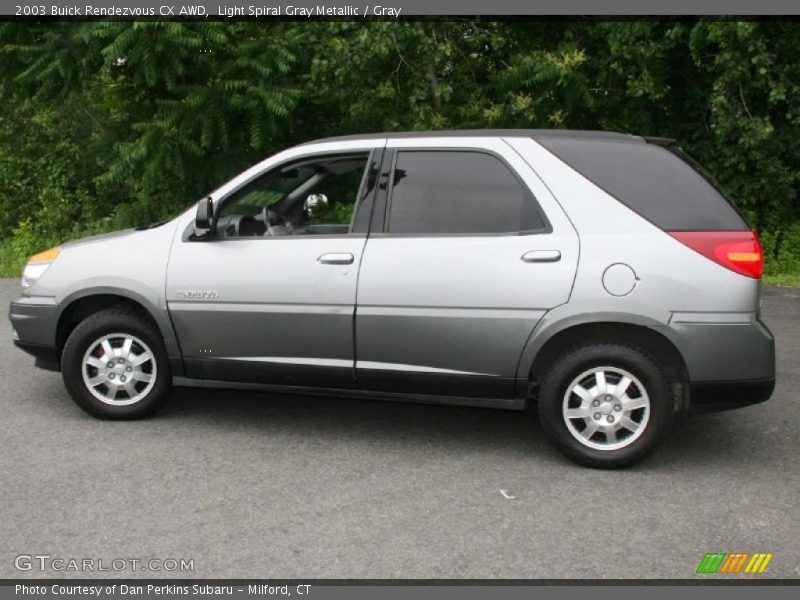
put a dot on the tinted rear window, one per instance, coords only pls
(650, 180)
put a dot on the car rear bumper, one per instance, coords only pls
(34, 320)
(723, 347)
(730, 358)
(725, 395)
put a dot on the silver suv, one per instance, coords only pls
(603, 277)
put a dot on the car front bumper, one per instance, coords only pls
(34, 320)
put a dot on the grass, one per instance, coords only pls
(783, 279)
(9, 265)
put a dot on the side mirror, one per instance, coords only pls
(316, 205)
(204, 218)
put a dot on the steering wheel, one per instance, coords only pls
(268, 215)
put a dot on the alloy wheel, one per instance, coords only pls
(606, 408)
(119, 369)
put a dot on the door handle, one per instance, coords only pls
(336, 258)
(541, 256)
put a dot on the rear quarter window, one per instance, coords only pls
(650, 180)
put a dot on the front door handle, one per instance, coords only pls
(541, 256)
(336, 258)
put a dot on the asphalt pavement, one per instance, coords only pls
(269, 486)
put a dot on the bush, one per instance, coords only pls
(782, 253)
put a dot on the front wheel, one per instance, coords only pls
(115, 366)
(605, 405)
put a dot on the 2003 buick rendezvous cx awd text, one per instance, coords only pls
(604, 277)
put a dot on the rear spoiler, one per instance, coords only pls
(661, 141)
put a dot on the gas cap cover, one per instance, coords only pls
(619, 279)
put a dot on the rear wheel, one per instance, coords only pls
(115, 366)
(605, 405)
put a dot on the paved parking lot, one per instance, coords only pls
(255, 485)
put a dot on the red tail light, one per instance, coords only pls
(739, 251)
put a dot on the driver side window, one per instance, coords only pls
(312, 196)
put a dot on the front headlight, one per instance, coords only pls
(37, 265)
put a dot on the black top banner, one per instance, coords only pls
(321, 9)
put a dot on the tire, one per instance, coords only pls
(607, 430)
(138, 366)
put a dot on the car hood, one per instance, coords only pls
(99, 238)
(111, 235)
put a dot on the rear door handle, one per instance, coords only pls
(336, 258)
(541, 256)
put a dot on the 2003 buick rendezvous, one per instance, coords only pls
(603, 277)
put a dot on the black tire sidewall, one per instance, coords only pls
(89, 331)
(579, 360)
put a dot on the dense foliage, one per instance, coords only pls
(108, 124)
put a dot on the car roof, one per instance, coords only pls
(566, 134)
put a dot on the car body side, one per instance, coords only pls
(701, 316)
(708, 313)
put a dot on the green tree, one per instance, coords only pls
(106, 124)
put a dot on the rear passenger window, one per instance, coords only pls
(443, 192)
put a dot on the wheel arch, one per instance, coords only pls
(79, 305)
(553, 341)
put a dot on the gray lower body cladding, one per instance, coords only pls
(724, 351)
(730, 358)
